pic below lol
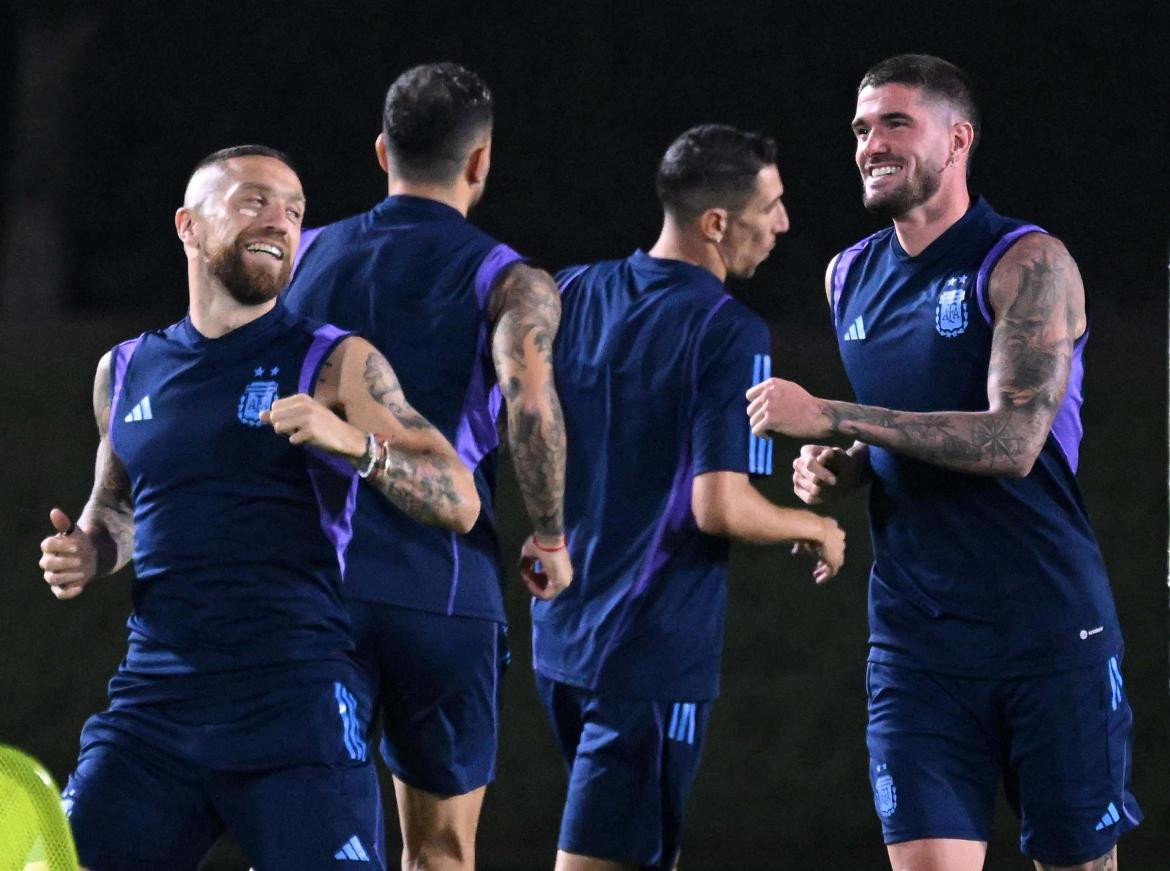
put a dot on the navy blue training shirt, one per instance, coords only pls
(414, 277)
(652, 361)
(239, 537)
(974, 575)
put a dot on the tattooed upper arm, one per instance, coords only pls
(525, 312)
(1038, 299)
(109, 513)
(365, 375)
(101, 393)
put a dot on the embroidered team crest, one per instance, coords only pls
(258, 396)
(885, 796)
(950, 316)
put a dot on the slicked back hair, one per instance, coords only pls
(711, 166)
(226, 154)
(432, 117)
(938, 78)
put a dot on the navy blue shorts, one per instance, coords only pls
(939, 746)
(438, 683)
(134, 804)
(632, 764)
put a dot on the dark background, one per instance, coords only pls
(105, 107)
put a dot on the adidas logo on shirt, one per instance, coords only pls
(856, 331)
(140, 412)
(352, 851)
(1110, 817)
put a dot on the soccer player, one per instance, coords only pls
(652, 359)
(994, 645)
(464, 321)
(231, 447)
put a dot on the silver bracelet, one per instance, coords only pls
(370, 456)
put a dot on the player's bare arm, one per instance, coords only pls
(525, 312)
(102, 540)
(725, 503)
(1038, 299)
(409, 461)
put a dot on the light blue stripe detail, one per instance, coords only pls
(339, 695)
(1115, 681)
(349, 852)
(691, 726)
(356, 726)
(766, 464)
(753, 439)
(673, 721)
(1113, 814)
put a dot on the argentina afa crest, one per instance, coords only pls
(885, 796)
(258, 396)
(950, 315)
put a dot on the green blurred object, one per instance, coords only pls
(34, 834)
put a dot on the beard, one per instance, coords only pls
(248, 284)
(913, 191)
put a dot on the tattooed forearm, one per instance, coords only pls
(422, 486)
(383, 386)
(526, 311)
(536, 436)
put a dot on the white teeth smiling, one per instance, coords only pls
(271, 250)
(879, 171)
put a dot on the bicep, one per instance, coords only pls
(111, 481)
(1038, 299)
(525, 313)
(829, 270)
(371, 398)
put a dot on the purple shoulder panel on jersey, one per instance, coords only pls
(674, 517)
(1067, 427)
(498, 259)
(307, 237)
(992, 258)
(119, 361)
(334, 480)
(841, 271)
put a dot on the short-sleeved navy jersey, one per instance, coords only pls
(414, 277)
(975, 575)
(652, 362)
(238, 533)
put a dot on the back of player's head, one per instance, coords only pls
(938, 79)
(432, 118)
(194, 191)
(711, 166)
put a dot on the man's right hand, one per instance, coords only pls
(556, 571)
(68, 558)
(822, 473)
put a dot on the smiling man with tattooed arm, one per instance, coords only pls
(994, 643)
(239, 705)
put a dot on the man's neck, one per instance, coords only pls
(676, 243)
(454, 196)
(925, 223)
(214, 312)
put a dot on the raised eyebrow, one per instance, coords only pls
(886, 117)
(266, 189)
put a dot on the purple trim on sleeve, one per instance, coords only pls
(476, 435)
(307, 237)
(119, 362)
(992, 258)
(489, 270)
(1067, 427)
(571, 277)
(841, 272)
(334, 480)
(674, 518)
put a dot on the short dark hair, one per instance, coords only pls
(938, 78)
(431, 117)
(243, 151)
(711, 166)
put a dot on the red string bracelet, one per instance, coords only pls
(544, 549)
